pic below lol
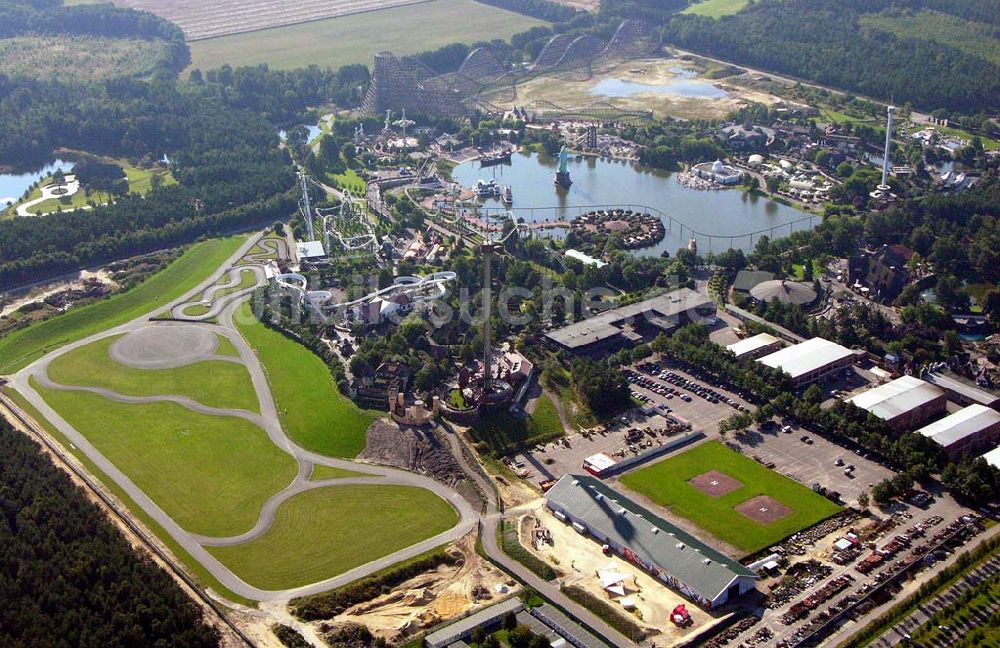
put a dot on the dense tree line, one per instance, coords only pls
(541, 9)
(825, 43)
(50, 18)
(68, 577)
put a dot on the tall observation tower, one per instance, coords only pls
(882, 192)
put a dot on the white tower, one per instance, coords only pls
(890, 112)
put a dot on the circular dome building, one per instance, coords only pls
(786, 292)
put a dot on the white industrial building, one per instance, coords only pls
(993, 457)
(668, 553)
(810, 361)
(904, 403)
(755, 346)
(970, 430)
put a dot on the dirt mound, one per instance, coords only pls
(420, 451)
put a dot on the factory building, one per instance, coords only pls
(810, 361)
(618, 328)
(669, 554)
(904, 403)
(971, 430)
(755, 346)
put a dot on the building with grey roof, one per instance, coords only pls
(755, 346)
(810, 361)
(489, 618)
(962, 392)
(904, 403)
(670, 554)
(746, 280)
(625, 326)
(569, 629)
(970, 430)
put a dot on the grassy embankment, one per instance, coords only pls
(313, 412)
(26, 345)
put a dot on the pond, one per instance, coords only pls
(686, 85)
(717, 220)
(13, 185)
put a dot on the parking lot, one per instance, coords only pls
(813, 461)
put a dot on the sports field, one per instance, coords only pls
(309, 540)
(213, 383)
(211, 474)
(25, 346)
(355, 39)
(313, 411)
(668, 483)
(715, 8)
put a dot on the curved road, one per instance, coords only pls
(267, 420)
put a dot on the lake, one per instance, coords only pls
(686, 85)
(720, 219)
(13, 185)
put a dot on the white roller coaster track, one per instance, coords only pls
(419, 290)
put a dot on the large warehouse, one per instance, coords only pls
(755, 346)
(673, 556)
(618, 328)
(904, 403)
(810, 361)
(971, 430)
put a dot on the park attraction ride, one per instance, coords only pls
(407, 84)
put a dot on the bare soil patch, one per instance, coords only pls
(715, 483)
(763, 509)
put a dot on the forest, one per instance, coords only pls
(68, 576)
(826, 43)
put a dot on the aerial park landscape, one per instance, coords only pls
(499, 323)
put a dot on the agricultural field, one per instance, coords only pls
(211, 474)
(309, 540)
(304, 393)
(79, 58)
(734, 498)
(355, 39)
(213, 383)
(715, 8)
(975, 38)
(22, 347)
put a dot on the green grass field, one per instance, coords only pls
(211, 474)
(26, 345)
(666, 483)
(313, 411)
(214, 383)
(715, 8)
(349, 180)
(201, 574)
(79, 57)
(545, 419)
(320, 472)
(310, 541)
(355, 39)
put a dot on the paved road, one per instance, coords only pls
(268, 421)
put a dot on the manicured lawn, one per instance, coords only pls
(545, 419)
(211, 474)
(247, 280)
(202, 575)
(331, 472)
(327, 531)
(354, 39)
(313, 411)
(196, 310)
(350, 180)
(715, 8)
(194, 266)
(666, 483)
(502, 433)
(213, 383)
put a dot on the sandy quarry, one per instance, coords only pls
(433, 597)
(654, 601)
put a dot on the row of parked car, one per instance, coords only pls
(707, 393)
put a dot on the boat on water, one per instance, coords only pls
(507, 195)
(487, 189)
(492, 158)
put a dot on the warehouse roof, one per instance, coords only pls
(967, 391)
(963, 423)
(604, 326)
(651, 538)
(993, 457)
(807, 356)
(463, 627)
(892, 399)
(752, 344)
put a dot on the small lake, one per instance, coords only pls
(686, 85)
(721, 219)
(13, 185)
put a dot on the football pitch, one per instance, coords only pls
(731, 496)
(355, 38)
